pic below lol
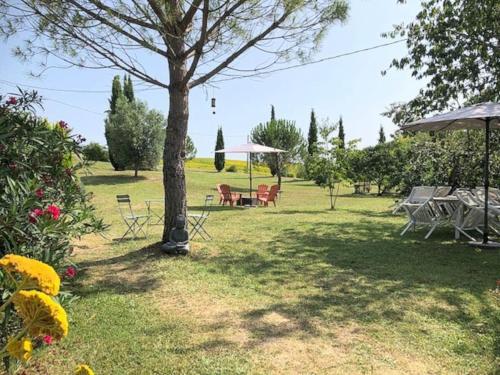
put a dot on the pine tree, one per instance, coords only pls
(128, 88)
(312, 136)
(116, 93)
(273, 114)
(341, 133)
(219, 144)
(381, 135)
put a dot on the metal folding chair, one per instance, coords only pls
(135, 223)
(198, 220)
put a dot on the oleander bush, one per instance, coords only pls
(43, 207)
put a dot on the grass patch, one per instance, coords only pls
(293, 289)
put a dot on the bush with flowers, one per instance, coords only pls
(43, 205)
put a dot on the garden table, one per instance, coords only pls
(158, 216)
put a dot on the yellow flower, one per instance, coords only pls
(20, 349)
(34, 274)
(41, 314)
(83, 370)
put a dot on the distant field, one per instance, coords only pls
(207, 164)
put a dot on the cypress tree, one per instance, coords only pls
(381, 135)
(116, 92)
(312, 136)
(128, 88)
(341, 133)
(219, 144)
(273, 115)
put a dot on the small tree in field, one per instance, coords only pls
(219, 158)
(116, 92)
(328, 166)
(137, 133)
(196, 40)
(190, 149)
(95, 152)
(282, 134)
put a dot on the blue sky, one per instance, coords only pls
(350, 86)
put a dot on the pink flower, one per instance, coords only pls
(39, 193)
(32, 216)
(13, 166)
(70, 272)
(11, 101)
(47, 339)
(54, 211)
(63, 124)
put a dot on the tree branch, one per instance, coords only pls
(238, 53)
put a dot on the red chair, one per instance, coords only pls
(221, 195)
(271, 197)
(262, 191)
(227, 196)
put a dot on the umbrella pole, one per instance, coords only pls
(486, 179)
(250, 164)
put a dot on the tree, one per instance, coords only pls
(328, 165)
(95, 152)
(128, 88)
(198, 40)
(273, 114)
(282, 134)
(219, 144)
(381, 135)
(137, 133)
(312, 135)
(341, 133)
(116, 92)
(453, 46)
(190, 148)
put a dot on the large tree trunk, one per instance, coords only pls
(174, 180)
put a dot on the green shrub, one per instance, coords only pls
(95, 152)
(232, 168)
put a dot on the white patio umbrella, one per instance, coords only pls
(250, 148)
(480, 116)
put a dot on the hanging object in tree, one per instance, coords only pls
(213, 106)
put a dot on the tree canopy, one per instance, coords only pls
(453, 46)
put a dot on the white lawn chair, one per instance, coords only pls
(471, 215)
(418, 195)
(420, 209)
(493, 198)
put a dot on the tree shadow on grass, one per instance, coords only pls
(364, 273)
(122, 274)
(111, 179)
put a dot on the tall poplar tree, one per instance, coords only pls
(312, 135)
(381, 135)
(128, 88)
(273, 114)
(116, 93)
(220, 159)
(341, 133)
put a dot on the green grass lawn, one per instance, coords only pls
(296, 289)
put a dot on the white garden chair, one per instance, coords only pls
(420, 209)
(470, 217)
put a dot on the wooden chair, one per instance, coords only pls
(262, 190)
(270, 197)
(221, 195)
(227, 196)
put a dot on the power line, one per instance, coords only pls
(312, 62)
(307, 63)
